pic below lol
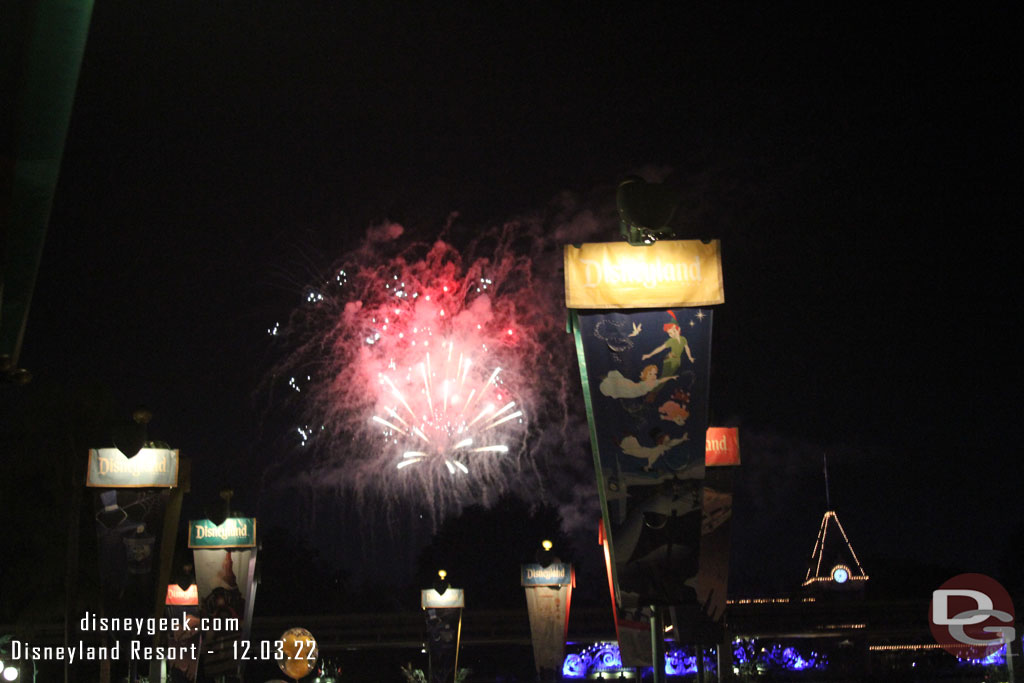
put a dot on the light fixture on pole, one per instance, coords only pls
(218, 512)
(441, 583)
(130, 437)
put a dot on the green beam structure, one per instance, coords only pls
(44, 41)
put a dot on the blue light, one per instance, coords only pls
(604, 658)
(574, 667)
(750, 656)
(607, 657)
(997, 658)
(792, 660)
(678, 664)
(600, 657)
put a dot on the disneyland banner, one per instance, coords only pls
(151, 467)
(664, 274)
(443, 614)
(182, 607)
(716, 528)
(723, 446)
(548, 596)
(226, 592)
(645, 376)
(129, 526)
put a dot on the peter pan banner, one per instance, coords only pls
(666, 273)
(224, 579)
(548, 595)
(645, 376)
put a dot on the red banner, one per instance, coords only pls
(723, 447)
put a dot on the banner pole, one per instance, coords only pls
(574, 322)
(1009, 660)
(657, 644)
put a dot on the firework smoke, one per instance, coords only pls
(437, 376)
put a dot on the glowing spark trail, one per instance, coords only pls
(387, 424)
(503, 420)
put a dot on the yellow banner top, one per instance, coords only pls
(664, 274)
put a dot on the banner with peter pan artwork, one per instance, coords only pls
(646, 375)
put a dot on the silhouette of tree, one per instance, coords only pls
(905, 579)
(1011, 565)
(295, 579)
(50, 550)
(482, 548)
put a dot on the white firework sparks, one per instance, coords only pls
(441, 413)
(427, 377)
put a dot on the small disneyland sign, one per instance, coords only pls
(234, 532)
(557, 574)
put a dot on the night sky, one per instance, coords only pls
(855, 164)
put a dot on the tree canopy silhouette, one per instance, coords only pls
(482, 548)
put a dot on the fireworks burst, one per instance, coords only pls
(428, 374)
(443, 425)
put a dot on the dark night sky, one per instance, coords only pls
(854, 163)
